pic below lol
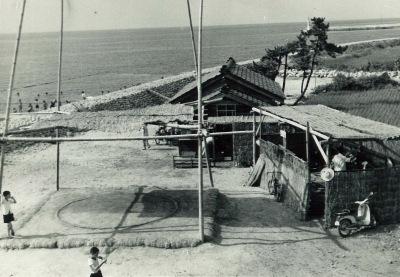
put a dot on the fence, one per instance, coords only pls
(293, 174)
(350, 186)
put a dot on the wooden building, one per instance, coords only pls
(305, 141)
(232, 91)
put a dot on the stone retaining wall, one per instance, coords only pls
(326, 73)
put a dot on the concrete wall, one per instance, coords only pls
(347, 187)
(294, 175)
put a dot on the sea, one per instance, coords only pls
(99, 62)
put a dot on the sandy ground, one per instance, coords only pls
(258, 236)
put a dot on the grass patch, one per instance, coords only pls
(341, 82)
(373, 56)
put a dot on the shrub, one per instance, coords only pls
(342, 82)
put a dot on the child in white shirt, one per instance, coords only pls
(94, 262)
(8, 216)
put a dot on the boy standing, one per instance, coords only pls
(94, 262)
(8, 216)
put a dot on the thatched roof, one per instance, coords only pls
(335, 124)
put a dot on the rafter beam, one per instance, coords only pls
(290, 122)
(319, 146)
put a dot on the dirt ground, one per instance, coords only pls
(257, 236)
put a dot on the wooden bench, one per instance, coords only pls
(189, 162)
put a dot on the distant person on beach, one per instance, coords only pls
(20, 105)
(53, 103)
(102, 92)
(37, 104)
(83, 95)
(30, 108)
(45, 106)
(8, 216)
(94, 263)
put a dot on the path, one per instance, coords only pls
(258, 236)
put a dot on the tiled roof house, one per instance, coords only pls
(232, 91)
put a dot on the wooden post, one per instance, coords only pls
(9, 95)
(254, 139)
(208, 162)
(234, 155)
(59, 90)
(260, 126)
(328, 164)
(200, 127)
(308, 151)
(192, 33)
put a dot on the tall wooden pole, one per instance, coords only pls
(192, 32)
(254, 139)
(196, 66)
(208, 162)
(308, 151)
(59, 91)
(9, 96)
(200, 121)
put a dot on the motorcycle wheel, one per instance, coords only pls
(343, 228)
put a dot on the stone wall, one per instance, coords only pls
(141, 99)
(348, 187)
(294, 176)
(243, 145)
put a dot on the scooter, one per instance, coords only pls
(347, 222)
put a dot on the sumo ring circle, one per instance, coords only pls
(173, 211)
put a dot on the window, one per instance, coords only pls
(226, 110)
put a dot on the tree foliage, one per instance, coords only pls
(311, 44)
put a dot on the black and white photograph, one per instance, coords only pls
(199, 138)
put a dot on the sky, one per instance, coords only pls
(44, 15)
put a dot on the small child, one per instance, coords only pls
(8, 216)
(94, 262)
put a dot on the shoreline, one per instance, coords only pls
(89, 102)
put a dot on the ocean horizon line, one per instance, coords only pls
(206, 26)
